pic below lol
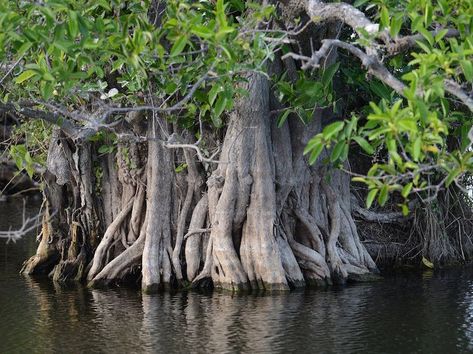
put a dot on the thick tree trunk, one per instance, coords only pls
(267, 220)
(261, 218)
(156, 263)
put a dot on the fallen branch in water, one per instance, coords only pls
(29, 224)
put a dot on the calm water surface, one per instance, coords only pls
(429, 312)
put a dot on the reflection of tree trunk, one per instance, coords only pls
(116, 318)
(55, 306)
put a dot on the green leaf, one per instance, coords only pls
(316, 140)
(24, 47)
(328, 74)
(358, 3)
(383, 195)
(28, 158)
(452, 176)
(178, 46)
(25, 75)
(427, 35)
(337, 151)
(396, 24)
(282, 118)
(222, 32)
(428, 14)
(359, 179)
(47, 76)
(380, 90)
(73, 24)
(370, 198)
(350, 126)
(467, 67)
(202, 32)
(332, 129)
(416, 148)
(62, 44)
(220, 105)
(170, 87)
(384, 17)
(440, 35)
(227, 51)
(213, 92)
(105, 149)
(180, 168)
(405, 209)
(344, 154)
(364, 144)
(406, 190)
(407, 124)
(372, 170)
(422, 107)
(104, 4)
(220, 12)
(47, 89)
(424, 46)
(315, 153)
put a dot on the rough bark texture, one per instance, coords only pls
(261, 218)
(266, 220)
(156, 263)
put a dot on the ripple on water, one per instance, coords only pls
(403, 313)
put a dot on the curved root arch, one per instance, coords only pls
(267, 220)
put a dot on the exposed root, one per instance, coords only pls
(316, 235)
(107, 241)
(316, 270)
(70, 269)
(267, 221)
(339, 273)
(114, 270)
(293, 272)
(156, 263)
(206, 274)
(137, 213)
(227, 271)
(46, 253)
(181, 224)
(193, 249)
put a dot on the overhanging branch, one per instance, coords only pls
(346, 13)
(455, 89)
(26, 110)
(371, 63)
(349, 15)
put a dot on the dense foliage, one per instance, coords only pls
(90, 61)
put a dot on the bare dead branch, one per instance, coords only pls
(346, 13)
(374, 66)
(29, 224)
(10, 69)
(381, 218)
(25, 110)
(179, 105)
(402, 44)
(456, 90)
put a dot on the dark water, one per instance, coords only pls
(429, 312)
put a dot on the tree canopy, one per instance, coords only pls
(83, 64)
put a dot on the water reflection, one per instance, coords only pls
(376, 317)
(430, 312)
